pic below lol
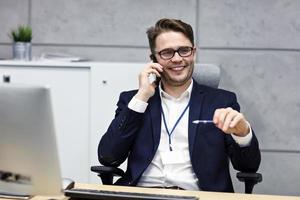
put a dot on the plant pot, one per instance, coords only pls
(22, 51)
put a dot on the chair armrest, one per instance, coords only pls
(250, 180)
(107, 173)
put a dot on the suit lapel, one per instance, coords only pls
(196, 103)
(155, 112)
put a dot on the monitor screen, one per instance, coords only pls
(29, 162)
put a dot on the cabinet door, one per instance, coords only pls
(70, 99)
(108, 80)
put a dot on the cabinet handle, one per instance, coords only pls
(6, 78)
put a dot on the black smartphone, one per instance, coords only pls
(153, 77)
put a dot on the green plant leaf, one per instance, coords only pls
(22, 34)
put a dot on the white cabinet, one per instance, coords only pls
(108, 80)
(84, 98)
(70, 91)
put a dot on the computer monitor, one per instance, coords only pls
(29, 162)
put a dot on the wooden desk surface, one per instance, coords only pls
(200, 194)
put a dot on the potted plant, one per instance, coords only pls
(21, 37)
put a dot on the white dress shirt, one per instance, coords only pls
(163, 170)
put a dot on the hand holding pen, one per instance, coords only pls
(229, 121)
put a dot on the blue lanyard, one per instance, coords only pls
(170, 133)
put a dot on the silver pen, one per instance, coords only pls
(203, 121)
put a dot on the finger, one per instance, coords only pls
(216, 116)
(223, 114)
(228, 119)
(156, 66)
(154, 71)
(236, 120)
(148, 70)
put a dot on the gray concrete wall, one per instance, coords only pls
(256, 43)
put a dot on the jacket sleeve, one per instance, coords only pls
(115, 144)
(245, 159)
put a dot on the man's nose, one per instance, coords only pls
(176, 57)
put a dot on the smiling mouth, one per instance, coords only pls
(177, 68)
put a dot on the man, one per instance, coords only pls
(153, 126)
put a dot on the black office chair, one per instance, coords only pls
(206, 74)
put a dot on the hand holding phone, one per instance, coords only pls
(149, 75)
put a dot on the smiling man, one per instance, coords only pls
(153, 125)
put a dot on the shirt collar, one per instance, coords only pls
(185, 94)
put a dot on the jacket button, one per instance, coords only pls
(123, 119)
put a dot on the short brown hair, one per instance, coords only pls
(164, 25)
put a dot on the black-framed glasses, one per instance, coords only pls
(169, 53)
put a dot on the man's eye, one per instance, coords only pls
(167, 52)
(184, 50)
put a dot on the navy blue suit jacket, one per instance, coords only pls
(136, 136)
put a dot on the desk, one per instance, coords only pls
(200, 194)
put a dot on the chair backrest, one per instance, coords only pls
(207, 74)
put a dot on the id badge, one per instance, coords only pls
(173, 157)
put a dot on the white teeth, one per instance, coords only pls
(177, 68)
